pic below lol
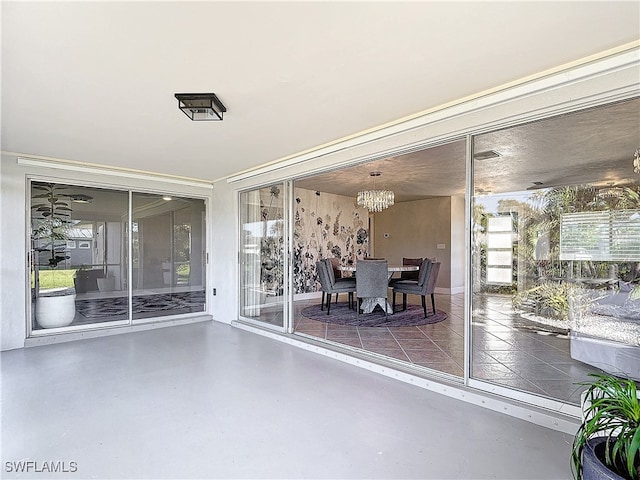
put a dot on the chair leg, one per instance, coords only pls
(322, 304)
(328, 303)
(394, 300)
(404, 302)
(433, 303)
(424, 305)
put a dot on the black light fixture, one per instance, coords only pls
(201, 106)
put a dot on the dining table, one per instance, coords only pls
(368, 304)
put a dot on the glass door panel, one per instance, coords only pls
(168, 255)
(556, 252)
(79, 250)
(262, 255)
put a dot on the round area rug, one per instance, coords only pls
(341, 315)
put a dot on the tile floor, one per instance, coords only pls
(507, 350)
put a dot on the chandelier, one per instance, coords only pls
(636, 161)
(375, 200)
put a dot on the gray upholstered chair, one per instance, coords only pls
(330, 286)
(411, 275)
(372, 281)
(337, 273)
(425, 285)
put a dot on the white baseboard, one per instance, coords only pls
(106, 330)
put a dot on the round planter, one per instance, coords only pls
(56, 308)
(593, 468)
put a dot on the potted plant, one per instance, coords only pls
(271, 247)
(51, 217)
(607, 444)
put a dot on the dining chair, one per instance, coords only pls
(372, 282)
(411, 275)
(425, 285)
(337, 273)
(330, 286)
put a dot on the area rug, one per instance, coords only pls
(342, 315)
(183, 302)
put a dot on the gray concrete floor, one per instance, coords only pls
(208, 400)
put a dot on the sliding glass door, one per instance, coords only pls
(79, 247)
(168, 255)
(556, 253)
(262, 255)
(93, 262)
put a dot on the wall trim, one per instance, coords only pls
(44, 162)
(108, 331)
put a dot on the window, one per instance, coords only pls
(601, 236)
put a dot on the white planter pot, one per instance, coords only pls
(56, 308)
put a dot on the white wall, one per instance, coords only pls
(224, 252)
(13, 282)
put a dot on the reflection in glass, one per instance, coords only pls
(558, 296)
(80, 256)
(168, 255)
(262, 255)
(79, 244)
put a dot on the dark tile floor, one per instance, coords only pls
(506, 349)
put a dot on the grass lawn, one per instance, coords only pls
(55, 278)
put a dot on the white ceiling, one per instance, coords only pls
(95, 81)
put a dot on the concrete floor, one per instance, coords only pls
(209, 400)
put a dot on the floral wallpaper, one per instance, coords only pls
(325, 225)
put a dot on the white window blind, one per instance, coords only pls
(500, 250)
(612, 236)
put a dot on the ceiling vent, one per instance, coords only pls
(486, 155)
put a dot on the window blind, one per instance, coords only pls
(612, 236)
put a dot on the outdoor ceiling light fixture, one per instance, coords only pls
(375, 200)
(201, 106)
